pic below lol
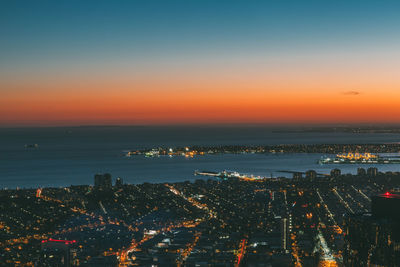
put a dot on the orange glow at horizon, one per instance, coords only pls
(185, 100)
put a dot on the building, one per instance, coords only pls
(102, 181)
(372, 172)
(361, 172)
(297, 175)
(336, 173)
(56, 253)
(119, 182)
(386, 206)
(103, 261)
(311, 174)
(373, 239)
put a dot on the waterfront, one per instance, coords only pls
(72, 155)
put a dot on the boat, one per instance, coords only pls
(31, 146)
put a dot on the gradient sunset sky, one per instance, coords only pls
(172, 62)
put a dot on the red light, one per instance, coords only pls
(387, 193)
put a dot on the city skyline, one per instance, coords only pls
(180, 62)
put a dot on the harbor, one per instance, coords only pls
(226, 175)
(358, 158)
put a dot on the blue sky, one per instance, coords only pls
(42, 30)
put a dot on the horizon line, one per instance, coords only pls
(298, 125)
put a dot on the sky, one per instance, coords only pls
(199, 62)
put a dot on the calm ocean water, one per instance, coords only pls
(71, 156)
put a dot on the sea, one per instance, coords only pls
(73, 155)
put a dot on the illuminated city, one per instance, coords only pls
(199, 133)
(280, 221)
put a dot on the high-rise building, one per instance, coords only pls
(386, 206)
(311, 174)
(336, 173)
(102, 181)
(372, 172)
(119, 182)
(56, 253)
(361, 172)
(373, 239)
(297, 175)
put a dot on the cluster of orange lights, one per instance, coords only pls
(357, 156)
(327, 263)
(67, 242)
(338, 230)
